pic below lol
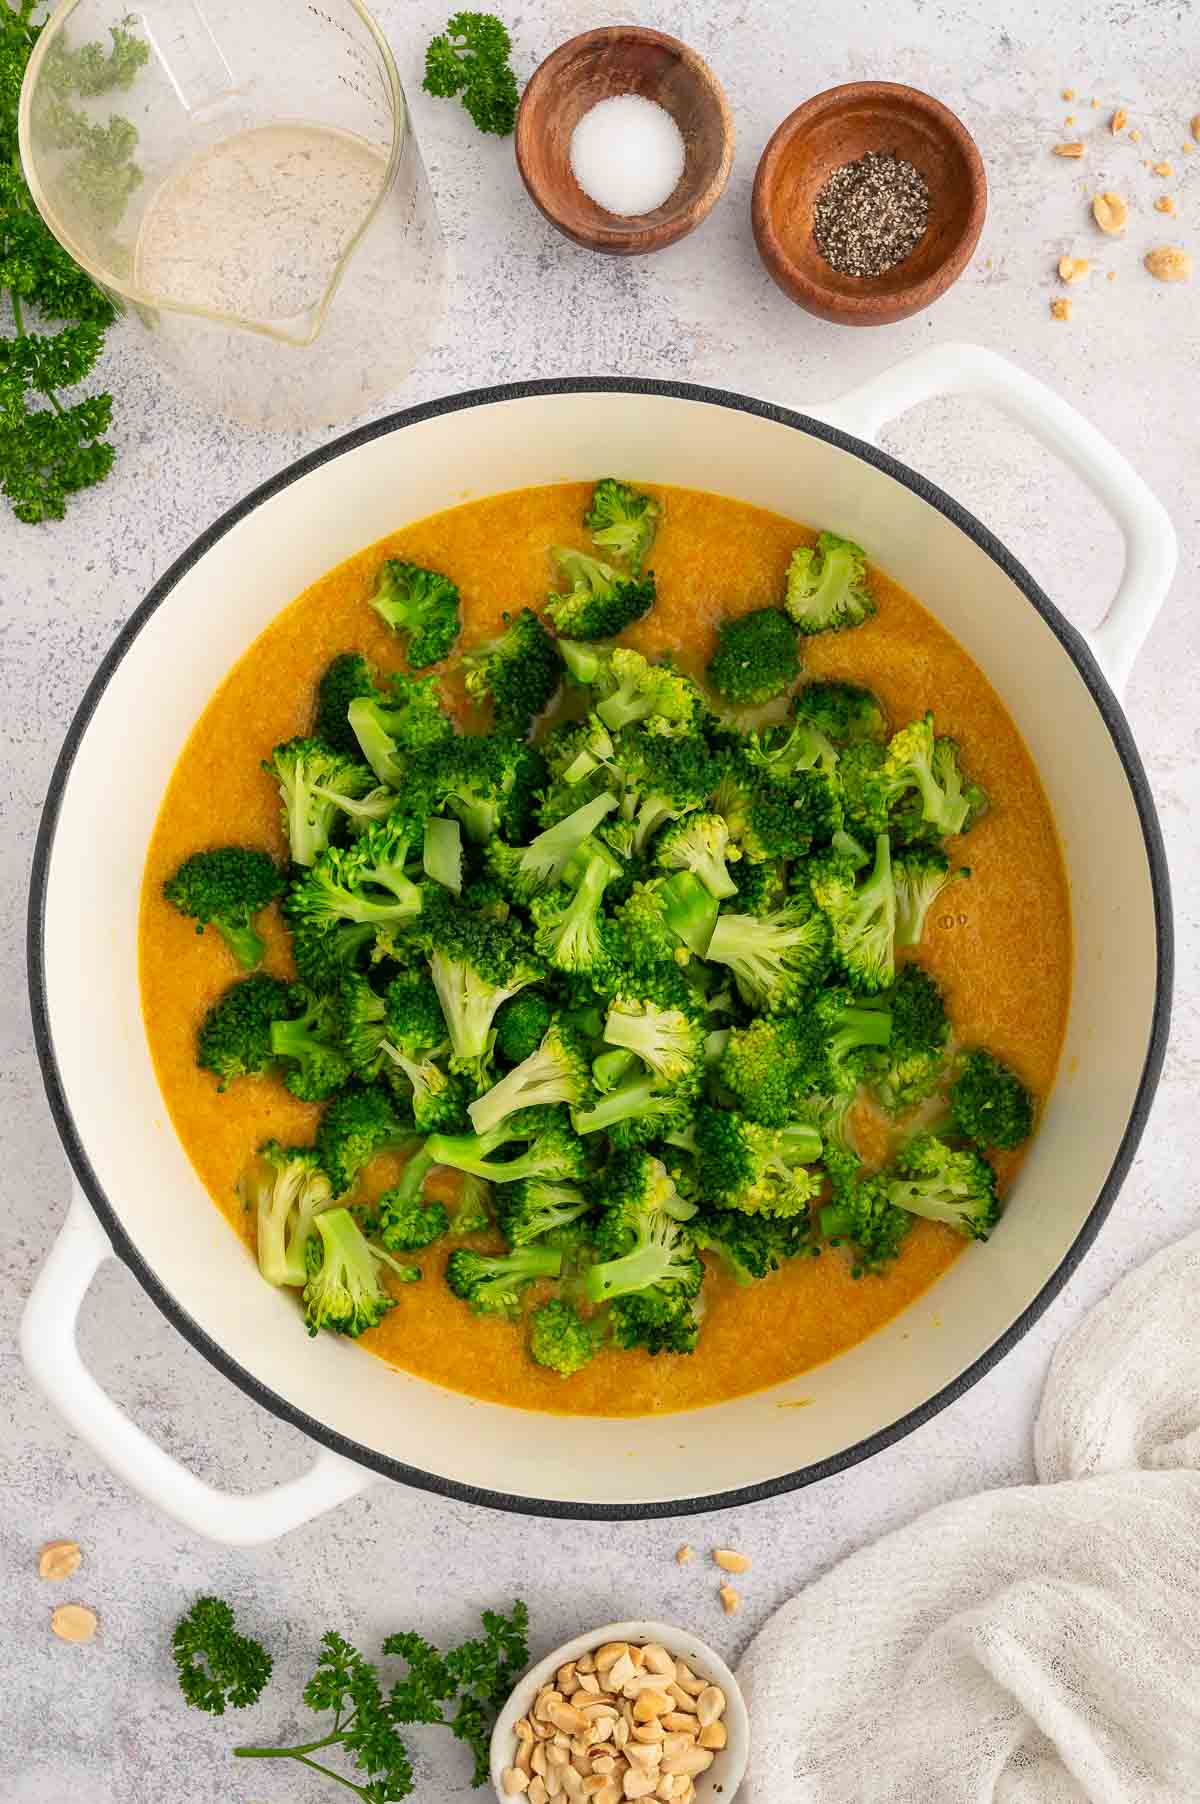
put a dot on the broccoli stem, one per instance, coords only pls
(246, 945)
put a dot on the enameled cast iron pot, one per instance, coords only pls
(138, 1197)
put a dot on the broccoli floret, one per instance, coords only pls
(861, 916)
(490, 784)
(765, 1068)
(556, 1072)
(699, 843)
(568, 928)
(357, 1125)
(560, 1339)
(315, 782)
(492, 1284)
(622, 520)
(225, 889)
(779, 752)
(845, 714)
(438, 1098)
(632, 690)
(635, 1112)
(344, 1292)
(367, 882)
(760, 1170)
(404, 1224)
(345, 679)
(756, 659)
(472, 1213)
(310, 1041)
(775, 958)
(422, 604)
(915, 1061)
(442, 853)
(659, 1321)
(867, 787)
(668, 1040)
(843, 1033)
(636, 1184)
(826, 586)
(664, 779)
(577, 750)
(862, 1212)
(476, 965)
(390, 731)
(989, 1103)
(235, 1035)
(362, 1023)
(916, 760)
(661, 1257)
(323, 956)
(286, 1189)
(751, 1246)
(642, 931)
(520, 671)
(761, 885)
(921, 874)
(783, 823)
(536, 1208)
(600, 602)
(529, 870)
(520, 1025)
(942, 1183)
(554, 1152)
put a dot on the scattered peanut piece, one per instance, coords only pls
(1119, 121)
(1070, 119)
(1072, 269)
(1164, 204)
(1110, 212)
(730, 1560)
(1162, 169)
(1068, 150)
(1135, 136)
(1068, 93)
(1094, 101)
(1112, 275)
(1187, 147)
(59, 1559)
(1169, 263)
(73, 1622)
(731, 1599)
(684, 1555)
(1196, 128)
(1060, 309)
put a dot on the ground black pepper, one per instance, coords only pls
(871, 214)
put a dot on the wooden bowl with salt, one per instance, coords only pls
(599, 65)
(840, 127)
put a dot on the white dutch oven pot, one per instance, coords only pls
(138, 1197)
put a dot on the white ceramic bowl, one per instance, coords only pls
(719, 1784)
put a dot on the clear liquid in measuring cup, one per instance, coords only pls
(255, 224)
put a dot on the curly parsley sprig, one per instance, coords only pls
(50, 449)
(470, 59)
(463, 1689)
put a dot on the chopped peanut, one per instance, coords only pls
(730, 1560)
(684, 1555)
(1162, 169)
(1110, 212)
(1073, 269)
(1068, 150)
(1164, 204)
(1060, 309)
(1169, 263)
(59, 1559)
(1135, 136)
(730, 1599)
(73, 1622)
(1119, 121)
(1068, 93)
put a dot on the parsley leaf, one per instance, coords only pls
(217, 1666)
(470, 59)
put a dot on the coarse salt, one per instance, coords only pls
(627, 154)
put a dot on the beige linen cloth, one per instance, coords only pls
(1039, 1645)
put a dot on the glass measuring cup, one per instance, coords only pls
(244, 174)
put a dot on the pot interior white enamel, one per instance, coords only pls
(85, 977)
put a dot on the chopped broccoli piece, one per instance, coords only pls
(756, 658)
(529, 870)
(622, 520)
(764, 1067)
(636, 1111)
(826, 586)
(699, 843)
(631, 689)
(476, 965)
(315, 782)
(344, 1292)
(361, 1122)
(225, 889)
(760, 1170)
(843, 713)
(438, 1098)
(520, 1025)
(915, 1061)
(560, 1339)
(600, 602)
(921, 873)
(781, 751)
(366, 883)
(422, 604)
(324, 956)
(916, 760)
(862, 1212)
(311, 1042)
(472, 1213)
(557, 1071)
(442, 854)
(344, 680)
(538, 1207)
(286, 1189)
(660, 1320)
(554, 1152)
(775, 959)
(568, 923)
(492, 1284)
(751, 1246)
(668, 1040)
(990, 1104)
(954, 1186)
(404, 1224)
(490, 784)
(861, 916)
(520, 671)
(390, 731)
(235, 1035)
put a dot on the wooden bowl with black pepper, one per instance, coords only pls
(868, 203)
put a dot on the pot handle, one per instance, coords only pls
(1150, 547)
(51, 1353)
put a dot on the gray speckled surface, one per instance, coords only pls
(103, 1723)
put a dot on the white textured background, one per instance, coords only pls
(104, 1724)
